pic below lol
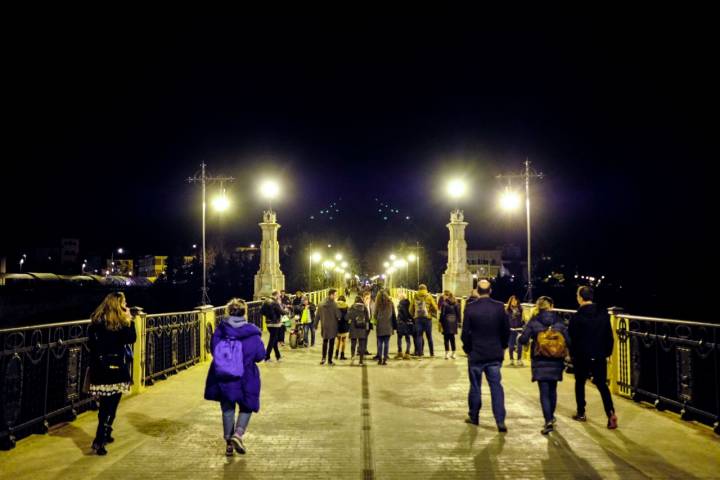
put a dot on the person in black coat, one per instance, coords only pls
(404, 327)
(449, 321)
(546, 370)
(593, 341)
(485, 334)
(110, 332)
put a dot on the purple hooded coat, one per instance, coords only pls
(244, 390)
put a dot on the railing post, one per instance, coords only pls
(614, 361)
(206, 316)
(138, 365)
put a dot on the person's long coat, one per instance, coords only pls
(328, 315)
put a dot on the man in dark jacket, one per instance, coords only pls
(485, 335)
(592, 343)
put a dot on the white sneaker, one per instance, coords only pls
(452, 355)
(447, 355)
(352, 360)
(512, 362)
(520, 363)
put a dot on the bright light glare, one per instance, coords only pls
(456, 188)
(269, 189)
(315, 257)
(510, 200)
(221, 203)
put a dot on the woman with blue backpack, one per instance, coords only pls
(549, 335)
(234, 378)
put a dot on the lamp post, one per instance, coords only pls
(204, 179)
(314, 257)
(511, 201)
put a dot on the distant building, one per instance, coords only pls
(152, 266)
(120, 266)
(492, 263)
(69, 251)
(247, 253)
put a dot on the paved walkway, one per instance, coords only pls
(404, 420)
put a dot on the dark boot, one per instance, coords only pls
(337, 354)
(108, 435)
(99, 443)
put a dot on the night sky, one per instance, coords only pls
(105, 121)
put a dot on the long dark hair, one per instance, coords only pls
(383, 302)
(511, 300)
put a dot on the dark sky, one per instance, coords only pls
(104, 122)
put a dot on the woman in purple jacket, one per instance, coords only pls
(242, 391)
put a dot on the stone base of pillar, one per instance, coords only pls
(266, 283)
(460, 284)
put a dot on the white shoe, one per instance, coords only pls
(520, 363)
(452, 355)
(447, 355)
(512, 362)
(352, 360)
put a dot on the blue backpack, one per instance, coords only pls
(228, 358)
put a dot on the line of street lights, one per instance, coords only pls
(337, 266)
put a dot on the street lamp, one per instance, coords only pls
(221, 203)
(314, 257)
(204, 179)
(338, 256)
(510, 200)
(120, 251)
(513, 200)
(270, 190)
(456, 188)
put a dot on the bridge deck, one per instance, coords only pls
(404, 420)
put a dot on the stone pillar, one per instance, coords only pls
(457, 278)
(269, 277)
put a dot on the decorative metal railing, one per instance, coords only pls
(673, 364)
(42, 372)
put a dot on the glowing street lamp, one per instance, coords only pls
(344, 264)
(510, 200)
(393, 257)
(269, 189)
(386, 264)
(456, 188)
(315, 257)
(338, 256)
(221, 203)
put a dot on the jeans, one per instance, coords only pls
(514, 345)
(273, 343)
(327, 348)
(548, 398)
(313, 330)
(497, 394)
(597, 369)
(358, 346)
(407, 337)
(281, 339)
(229, 424)
(424, 325)
(307, 328)
(449, 341)
(383, 343)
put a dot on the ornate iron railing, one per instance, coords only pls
(42, 370)
(172, 342)
(673, 364)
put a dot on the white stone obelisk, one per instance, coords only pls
(457, 278)
(269, 277)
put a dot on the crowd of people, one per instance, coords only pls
(487, 328)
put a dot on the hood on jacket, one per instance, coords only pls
(547, 318)
(240, 332)
(341, 304)
(422, 292)
(358, 306)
